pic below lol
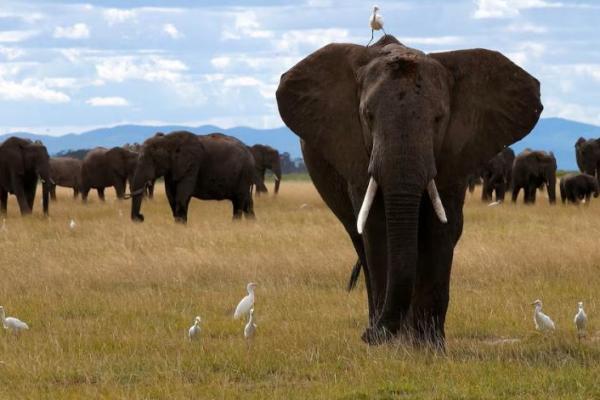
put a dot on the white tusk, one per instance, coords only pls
(366, 205)
(436, 202)
(276, 178)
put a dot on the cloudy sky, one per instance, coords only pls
(69, 65)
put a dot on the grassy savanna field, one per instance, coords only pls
(109, 305)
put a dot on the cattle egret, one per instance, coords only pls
(247, 302)
(250, 328)
(72, 224)
(12, 324)
(543, 323)
(495, 203)
(194, 332)
(580, 320)
(376, 23)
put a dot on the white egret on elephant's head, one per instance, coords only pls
(194, 331)
(12, 324)
(543, 323)
(375, 22)
(247, 303)
(580, 320)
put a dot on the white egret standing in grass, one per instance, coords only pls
(72, 224)
(247, 303)
(194, 332)
(250, 328)
(543, 323)
(12, 324)
(376, 23)
(580, 320)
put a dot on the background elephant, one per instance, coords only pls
(577, 187)
(66, 172)
(473, 179)
(21, 162)
(497, 175)
(406, 128)
(266, 157)
(103, 168)
(532, 170)
(211, 167)
(137, 148)
(587, 153)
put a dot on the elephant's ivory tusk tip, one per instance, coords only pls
(436, 202)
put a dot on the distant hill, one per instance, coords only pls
(552, 134)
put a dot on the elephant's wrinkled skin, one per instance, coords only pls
(21, 163)
(533, 170)
(104, 168)
(575, 188)
(497, 175)
(65, 172)
(266, 158)
(210, 167)
(401, 118)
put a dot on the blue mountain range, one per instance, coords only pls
(551, 134)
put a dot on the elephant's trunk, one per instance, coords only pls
(46, 188)
(142, 176)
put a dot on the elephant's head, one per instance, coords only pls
(268, 158)
(173, 155)
(407, 122)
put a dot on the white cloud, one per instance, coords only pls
(107, 102)
(77, 31)
(241, 81)
(311, 38)
(509, 8)
(118, 16)
(526, 51)
(30, 89)
(29, 17)
(11, 53)
(246, 25)
(556, 107)
(16, 36)
(319, 3)
(221, 62)
(172, 31)
(151, 68)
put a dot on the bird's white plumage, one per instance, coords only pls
(247, 303)
(72, 224)
(250, 328)
(580, 320)
(376, 20)
(543, 323)
(194, 331)
(12, 324)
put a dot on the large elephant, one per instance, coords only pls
(587, 153)
(533, 170)
(103, 168)
(21, 163)
(137, 148)
(497, 175)
(66, 172)
(266, 157)
(576, 188)
(406, 128)
(210, 167)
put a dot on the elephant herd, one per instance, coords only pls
(533, 170)
(209, 167)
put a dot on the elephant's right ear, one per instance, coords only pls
(319, 98)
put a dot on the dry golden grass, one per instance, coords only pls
(109, 305)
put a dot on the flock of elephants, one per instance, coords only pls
(389, 136)
(533, 170)
(210, 167)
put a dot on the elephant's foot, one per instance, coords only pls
(137, 218)
(375, 336)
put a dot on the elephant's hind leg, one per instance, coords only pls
(3, 201)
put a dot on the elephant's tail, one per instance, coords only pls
(354, 276)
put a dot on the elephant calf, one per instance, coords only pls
(103, 168)
(66, 172)
(577, 187)
(533, 170)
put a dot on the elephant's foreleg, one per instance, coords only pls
(19, 190)
(120, 188)
(75, 192)
(184, 191)
(515, 192)
(170, 192)
(101, 194)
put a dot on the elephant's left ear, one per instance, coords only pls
(494, 103)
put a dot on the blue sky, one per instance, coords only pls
(69, 66)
